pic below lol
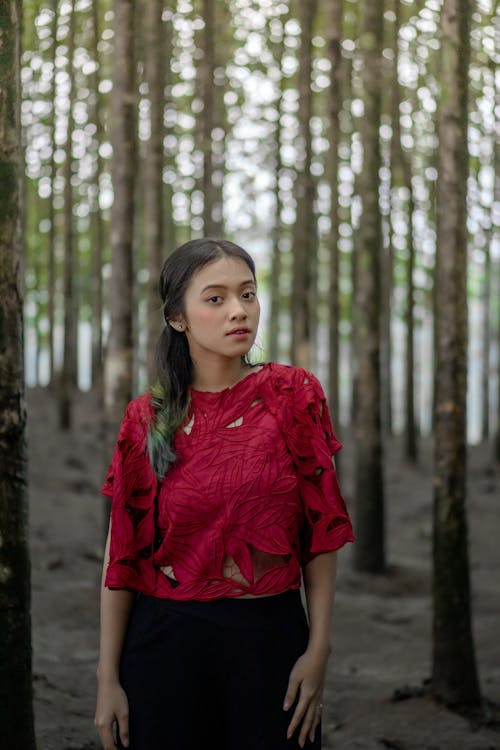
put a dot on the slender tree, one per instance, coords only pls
(401, 174)
(304, 244)
(153, 177)
(486, 335)
(369, 484)
(16, 713)
(496, 201)
(68, 374)
(278, 48)
(51, 260)
(97, 218)
(222, 29)
(454, 674)
(170, 231)
(389, 108)
(206, 80)
(334, 9)
(119, 355)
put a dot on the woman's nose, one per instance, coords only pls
(237, 310)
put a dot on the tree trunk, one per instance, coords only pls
(97, 220)
(333, 19)
(154, 31)
(206, 72)
(401, 174)
(51, 260)
(276, 258)
(496, 201)
(389, 109)
(119, 354)
(37, 208)
(16, 694)
(369, 487)
(485, 369)
(304, 244)
(170, 230)
(454, 675)
(69, 368)
(490, 235)
(222, 24)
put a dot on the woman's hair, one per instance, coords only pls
(170, 393)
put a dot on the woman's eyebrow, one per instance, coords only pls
(223, 286)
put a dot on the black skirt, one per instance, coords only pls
(213, 674)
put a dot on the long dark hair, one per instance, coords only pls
(170, 394)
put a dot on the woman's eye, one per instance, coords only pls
(215, 298)
(249, 295)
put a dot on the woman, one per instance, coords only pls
(224, 495)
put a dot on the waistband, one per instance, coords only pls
(235, 609)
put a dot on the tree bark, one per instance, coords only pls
(401, 174)
(51, 260)
(485, 353)
(334, 10)
(206, 73)
(97, 220)
(69, 368)
(454, 674)
(304, 243)
(170, 229)
(369, 485)
(119, 355)
(496, 200)
(222, 29)
(16, 694)
(276, 257)
(155, 66)
(390, 106)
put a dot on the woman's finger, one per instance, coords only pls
(307, 722)
(291, 692)
(106, 734)
(317, 719)
(123, 728)
(299, 712)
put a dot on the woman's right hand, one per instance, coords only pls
(112, 706)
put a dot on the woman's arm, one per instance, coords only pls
(308, 672)
(112, 702)
(319, 586)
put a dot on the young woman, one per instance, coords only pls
(224, 497)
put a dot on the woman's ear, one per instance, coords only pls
(177, 325)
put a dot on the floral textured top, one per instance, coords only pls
(252, 497)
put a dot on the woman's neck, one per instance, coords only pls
(216, 376)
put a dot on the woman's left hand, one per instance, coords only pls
(308, 675)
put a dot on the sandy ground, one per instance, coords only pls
(381, 625)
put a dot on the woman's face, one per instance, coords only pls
(221, 310)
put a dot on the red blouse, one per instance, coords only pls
(252, 497)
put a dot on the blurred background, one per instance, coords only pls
(228, 142)
(351, 146)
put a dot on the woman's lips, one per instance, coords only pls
(239, 333)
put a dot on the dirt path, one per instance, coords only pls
(381, 625)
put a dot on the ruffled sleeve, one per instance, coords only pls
(312, 443)
(132, 484)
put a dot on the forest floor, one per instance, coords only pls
(382, 625)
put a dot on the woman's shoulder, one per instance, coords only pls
(291, 376)
(140, 408)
